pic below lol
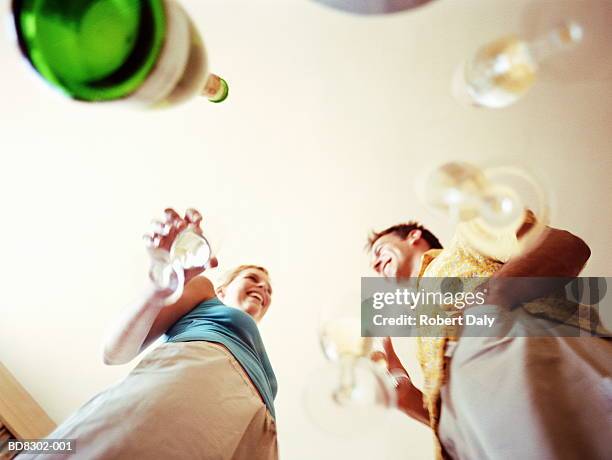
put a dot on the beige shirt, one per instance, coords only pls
(477, 400)
(540, 398)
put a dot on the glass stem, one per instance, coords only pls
(558, 40)
(347, 379)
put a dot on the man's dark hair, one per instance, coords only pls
(402, 230)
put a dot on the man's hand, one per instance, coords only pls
(409, 397)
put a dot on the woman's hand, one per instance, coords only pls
(159, 242)
(148, 319)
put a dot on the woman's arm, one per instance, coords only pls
(148, 319)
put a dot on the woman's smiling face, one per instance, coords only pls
(249, 291)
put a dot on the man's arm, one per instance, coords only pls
(556, 254)
(410, 402)
(409, 398)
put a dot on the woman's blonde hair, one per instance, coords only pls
(232, 274)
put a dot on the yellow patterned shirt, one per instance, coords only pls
(457, 260)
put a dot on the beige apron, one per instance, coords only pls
(184, 400)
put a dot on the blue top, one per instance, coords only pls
(213, 321)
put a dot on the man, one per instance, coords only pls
(502, 397)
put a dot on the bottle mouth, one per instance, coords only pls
(222, 93)
(215, 89)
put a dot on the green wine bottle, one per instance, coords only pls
(143, 51)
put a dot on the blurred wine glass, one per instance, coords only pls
(503, 71)
(352, 394)
(489, 206)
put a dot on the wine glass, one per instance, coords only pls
(501, 72)
(352, 394)
(490, 206)
(190, 249)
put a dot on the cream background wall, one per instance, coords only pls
(330, 119)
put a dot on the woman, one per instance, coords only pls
(206, 393)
